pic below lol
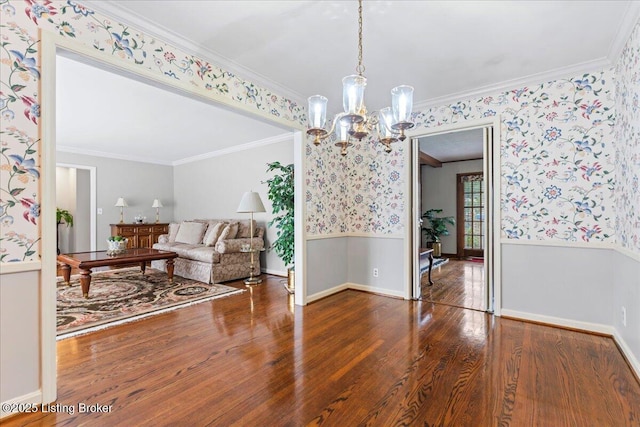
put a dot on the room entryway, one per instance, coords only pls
(452, 207)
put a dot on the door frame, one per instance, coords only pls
(460, 249)
(491, 169)
(93, 200)
(50, 43)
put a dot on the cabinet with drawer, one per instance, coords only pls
(140, 235)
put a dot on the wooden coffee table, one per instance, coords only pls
(85, 261)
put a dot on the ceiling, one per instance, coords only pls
(445, 49)
(454, 146)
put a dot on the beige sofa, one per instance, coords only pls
(209, 250)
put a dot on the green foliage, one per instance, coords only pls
(63, 216)
(281, 194)
(437, 225)
(116, 239)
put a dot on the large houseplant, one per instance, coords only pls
(437, 227)
(281, 195)
(63, 216)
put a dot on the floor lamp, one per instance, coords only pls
(251, 203)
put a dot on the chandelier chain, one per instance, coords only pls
(360, 67)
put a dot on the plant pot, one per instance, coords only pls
(437, 249)
(291, 280)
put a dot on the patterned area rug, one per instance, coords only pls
(125, 295)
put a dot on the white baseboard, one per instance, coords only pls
(374, 290)
(558, 321)
(584, 326)
(357, 287)
(327, 292)
(27, 400)
(274, 272)
(631, 358)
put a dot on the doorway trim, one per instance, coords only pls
(491, 154)
(93, 200)
(50, 43)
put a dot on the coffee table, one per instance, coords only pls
(85, 261)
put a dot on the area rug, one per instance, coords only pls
(437, 262)
(125, 295)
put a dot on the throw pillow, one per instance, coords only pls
(191, 232)
(173, 231)
(213, 233)
(230, 231)
(244, 229)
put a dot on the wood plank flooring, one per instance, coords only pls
(350, 359)
(458, 283)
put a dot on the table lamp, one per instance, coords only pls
(157, 204)
(121, 204)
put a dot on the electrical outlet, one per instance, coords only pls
(624, 316)
(375, 272)
(99, 211)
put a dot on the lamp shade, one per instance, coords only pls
(156, 203)
(121, 202)
(317, 111)
(402, 103)
(251, 202)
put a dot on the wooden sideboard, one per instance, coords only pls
(140, 235)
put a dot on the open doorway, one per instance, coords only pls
(76, 193)
(454, 189)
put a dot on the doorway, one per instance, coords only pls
(454, 177)
(76, 192)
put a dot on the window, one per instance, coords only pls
(470, 214)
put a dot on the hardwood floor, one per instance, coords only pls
(458, 283)
(350, 359)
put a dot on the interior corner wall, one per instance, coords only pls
(327, 266)
(82, 227)
(386, 255)
(626, 295)
(439, 191)
(138, 183)
(213, 187)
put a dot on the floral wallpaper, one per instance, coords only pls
(20, 166)
(557, 157)
(627, 154)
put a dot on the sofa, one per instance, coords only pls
(210, 250)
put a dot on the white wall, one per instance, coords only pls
(213, 187)
(138, 183)
(438, 188)
(82, 229)
(626, 293)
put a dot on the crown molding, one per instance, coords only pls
(95, 153)
(234, 149)
(126, 16)
(248, 146)
(508, 85)
(631, 18)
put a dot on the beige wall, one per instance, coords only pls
(439, 192)
(212, 188)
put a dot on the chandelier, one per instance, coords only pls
(354, 122)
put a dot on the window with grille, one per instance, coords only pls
(471, 214)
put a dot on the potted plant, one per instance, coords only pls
(116, 245)
(63, 216)
(281, 194)
(437, 227)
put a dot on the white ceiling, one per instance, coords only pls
(454, 146)
(103, 113)
(445, 49)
